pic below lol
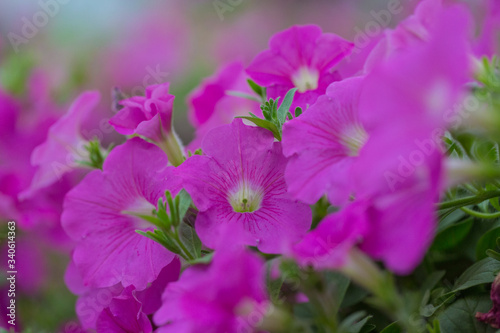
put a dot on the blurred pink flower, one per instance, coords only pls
(412, 30)
(235, 299)
(211, 106)
(239, 182)
(149, 116)
(328, 246)
(488, 42)
(302, 57)
(100, 216)
(92, 303)
(320, 165)
(492, 317)
(64, 145)
(124, 314)
(152, 48)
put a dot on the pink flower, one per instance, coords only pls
(492, 317)
(124, 314)
(240, 183)
(302, 57)
(149, 116)
(438, 69)
(334, 135)
(402, 184)
(64, 145)
(112, 305)
(328, 246)
(393, 217)
(211, 106)
(229, 295)
(487, 43)
(100, 215)
(411, 31)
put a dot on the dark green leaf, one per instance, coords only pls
(483, 271)
(298, 111)
(459, 317)
(337, 285)
(487, 242)
(354, 323)
(392, 328)
(452, 235)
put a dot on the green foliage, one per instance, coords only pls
(171, 231)
(274, 116)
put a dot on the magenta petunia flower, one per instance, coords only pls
(100, 214)
(149, 116)
(92, 302)
(229, 295)
(393, 216)
(210, 105)
(302, 57)
(64, 146)
(402, 183)
(413, 30)
(439, 70)
(328, 246)
(240, 183)
(320, 165)
(124, 315)
(487, 43)
(492, 317)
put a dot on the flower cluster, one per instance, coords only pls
(295, 169)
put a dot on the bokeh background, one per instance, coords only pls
(58, 48)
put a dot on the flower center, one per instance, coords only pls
(353, 138)
(305, 79)
(245, 199)
(139, 208)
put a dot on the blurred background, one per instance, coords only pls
(56, 49)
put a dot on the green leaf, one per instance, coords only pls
(481, 272)
(355, 322)
(337, 285)
(392, 328)
(285, 105)
(264, 124)
(190, 239)
(452, 235)
(184, 203)
(298, 111)
(159, 237)
(353, 296)
(487, 242)
(260, 91)
(459, 317)
(432, 280)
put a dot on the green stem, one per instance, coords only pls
(470, 200)
(362, 270)
(173, 148)
(479, 214)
